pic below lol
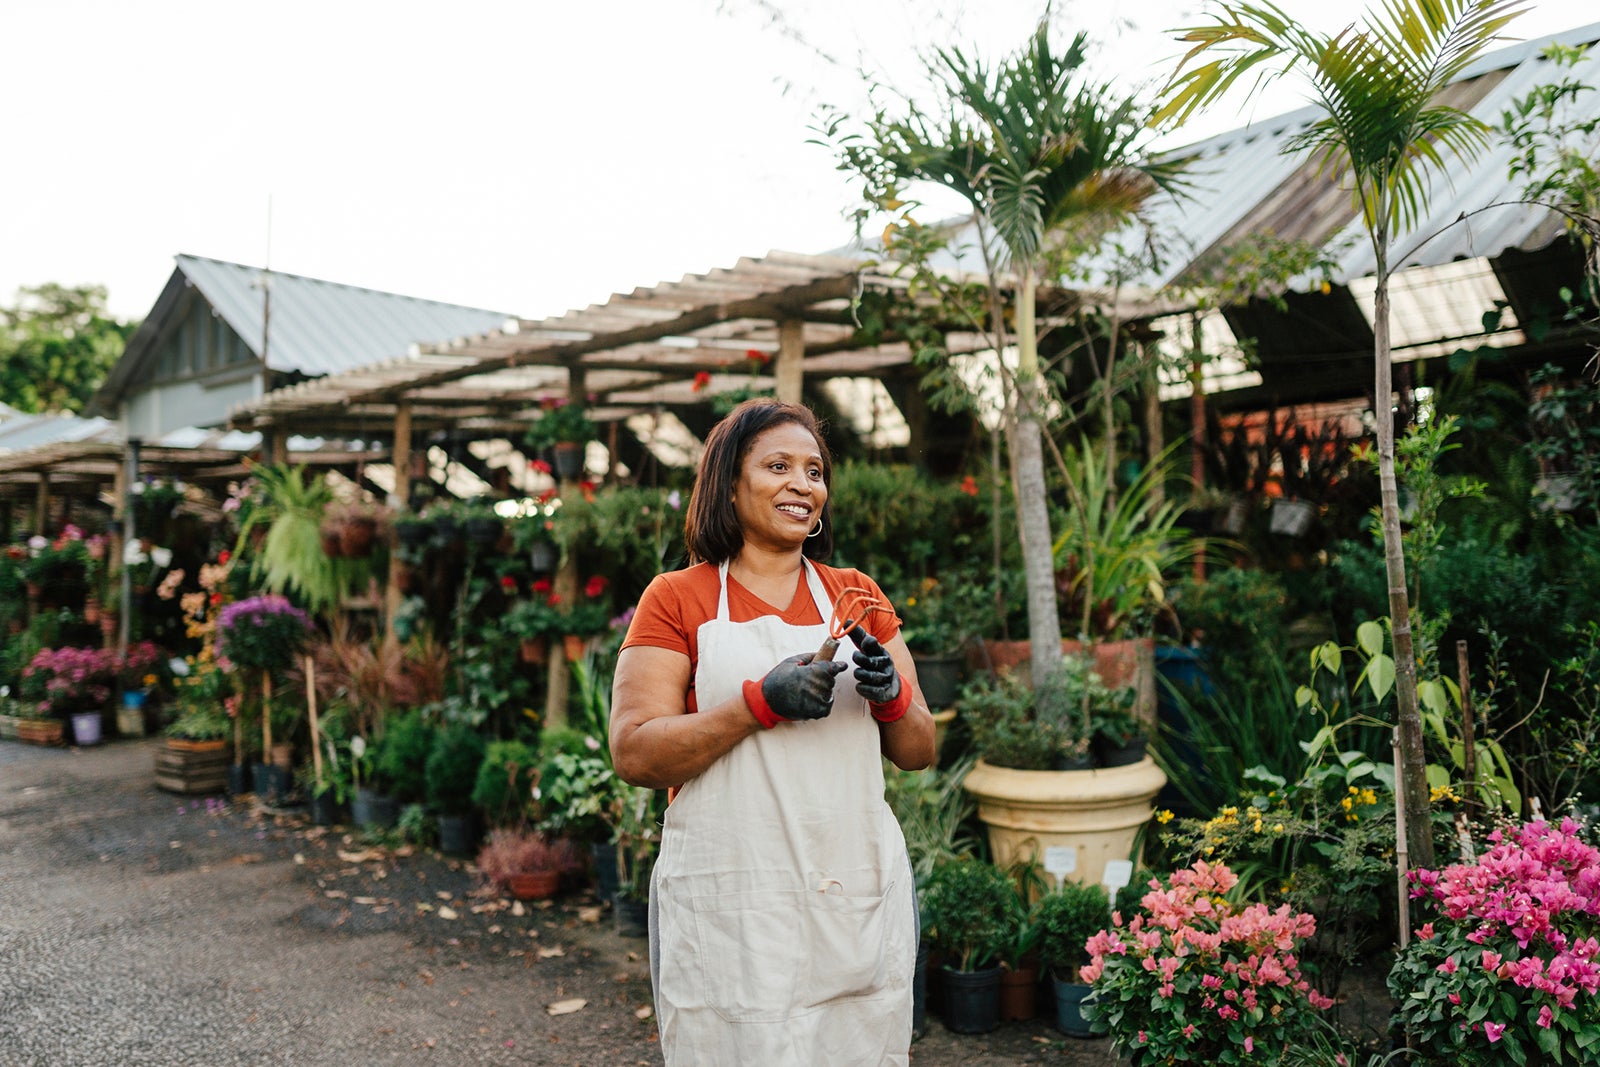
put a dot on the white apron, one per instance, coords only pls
(782, 907)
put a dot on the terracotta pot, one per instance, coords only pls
(1019, 994)
(1118, 663)
(332, 541)
(535, 649)
(356, 536)
(535, 885)
(573, 645)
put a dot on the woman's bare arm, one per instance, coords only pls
(908, 741)
(654, 741)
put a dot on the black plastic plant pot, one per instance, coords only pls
(971, 1000)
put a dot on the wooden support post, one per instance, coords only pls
(1469, 746)
(789, 367)
(311, 711)
(399, 501)
(559, 682)
(41, 505)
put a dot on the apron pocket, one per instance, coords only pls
(767, 956)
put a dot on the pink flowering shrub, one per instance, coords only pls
(65, 680)
(1506, 970)
(1196, 978)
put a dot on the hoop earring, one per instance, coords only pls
(815, 532)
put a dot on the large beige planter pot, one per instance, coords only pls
(1097, 813)
(941, 729)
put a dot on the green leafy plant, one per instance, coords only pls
(559, 422)
(943, 614)
(971, 907)
(290, 559)
(1012, 727)
(507, 779)
(1067, 919)
(452, 766)
(1116, 554)
(399, 761)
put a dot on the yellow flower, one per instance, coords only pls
(911, 601)
(149, 680)
(1163, 816)
(1277, 828)
(1347, 803)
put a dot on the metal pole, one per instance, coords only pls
(130, 479)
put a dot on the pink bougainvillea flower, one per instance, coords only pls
(1493, 1031)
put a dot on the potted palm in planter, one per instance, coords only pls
(971, 907)
(1067, 919)
(1037, 784)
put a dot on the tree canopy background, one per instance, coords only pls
(57, 343)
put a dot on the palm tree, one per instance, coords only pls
(1381, 127)
(1049, 164)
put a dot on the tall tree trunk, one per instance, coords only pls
(1033, 518)
(1413, 772)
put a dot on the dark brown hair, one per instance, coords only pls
(711, 531)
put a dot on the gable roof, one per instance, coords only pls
(315, 327)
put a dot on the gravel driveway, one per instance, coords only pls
(143, 929)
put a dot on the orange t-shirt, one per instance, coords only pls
(675, 604)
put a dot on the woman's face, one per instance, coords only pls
(779, 494)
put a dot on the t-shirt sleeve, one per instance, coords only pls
(658, 619)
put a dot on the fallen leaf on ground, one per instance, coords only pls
(589, 914)
(360, 857)
(566, 1007)
(447, 913)
(366, 900)
(644, 1012)
(336, 894)
(551, 950)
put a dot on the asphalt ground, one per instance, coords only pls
(143, 929)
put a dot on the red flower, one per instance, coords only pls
(540, 465)
(542, 585)
(224, 556)
(701, 380)
(546, 496)
(969, 485)
(587, 489)
(554, 599)
(216, 598)
(595, 586)
(755, 355)
(508, 583)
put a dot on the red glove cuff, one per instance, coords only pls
(893, 710)
(759, 707)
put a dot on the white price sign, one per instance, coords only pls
(1118, 874)
(1060, 861)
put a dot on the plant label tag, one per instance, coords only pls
(1060, 861)
(1118, 874)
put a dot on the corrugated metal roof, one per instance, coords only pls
(319, 327)
(19, 431)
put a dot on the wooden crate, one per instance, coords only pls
(181, 770)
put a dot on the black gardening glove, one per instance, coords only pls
(796, 688)
(876, 676)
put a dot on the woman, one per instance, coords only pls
(783, 926)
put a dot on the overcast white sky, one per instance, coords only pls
(527, 156)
